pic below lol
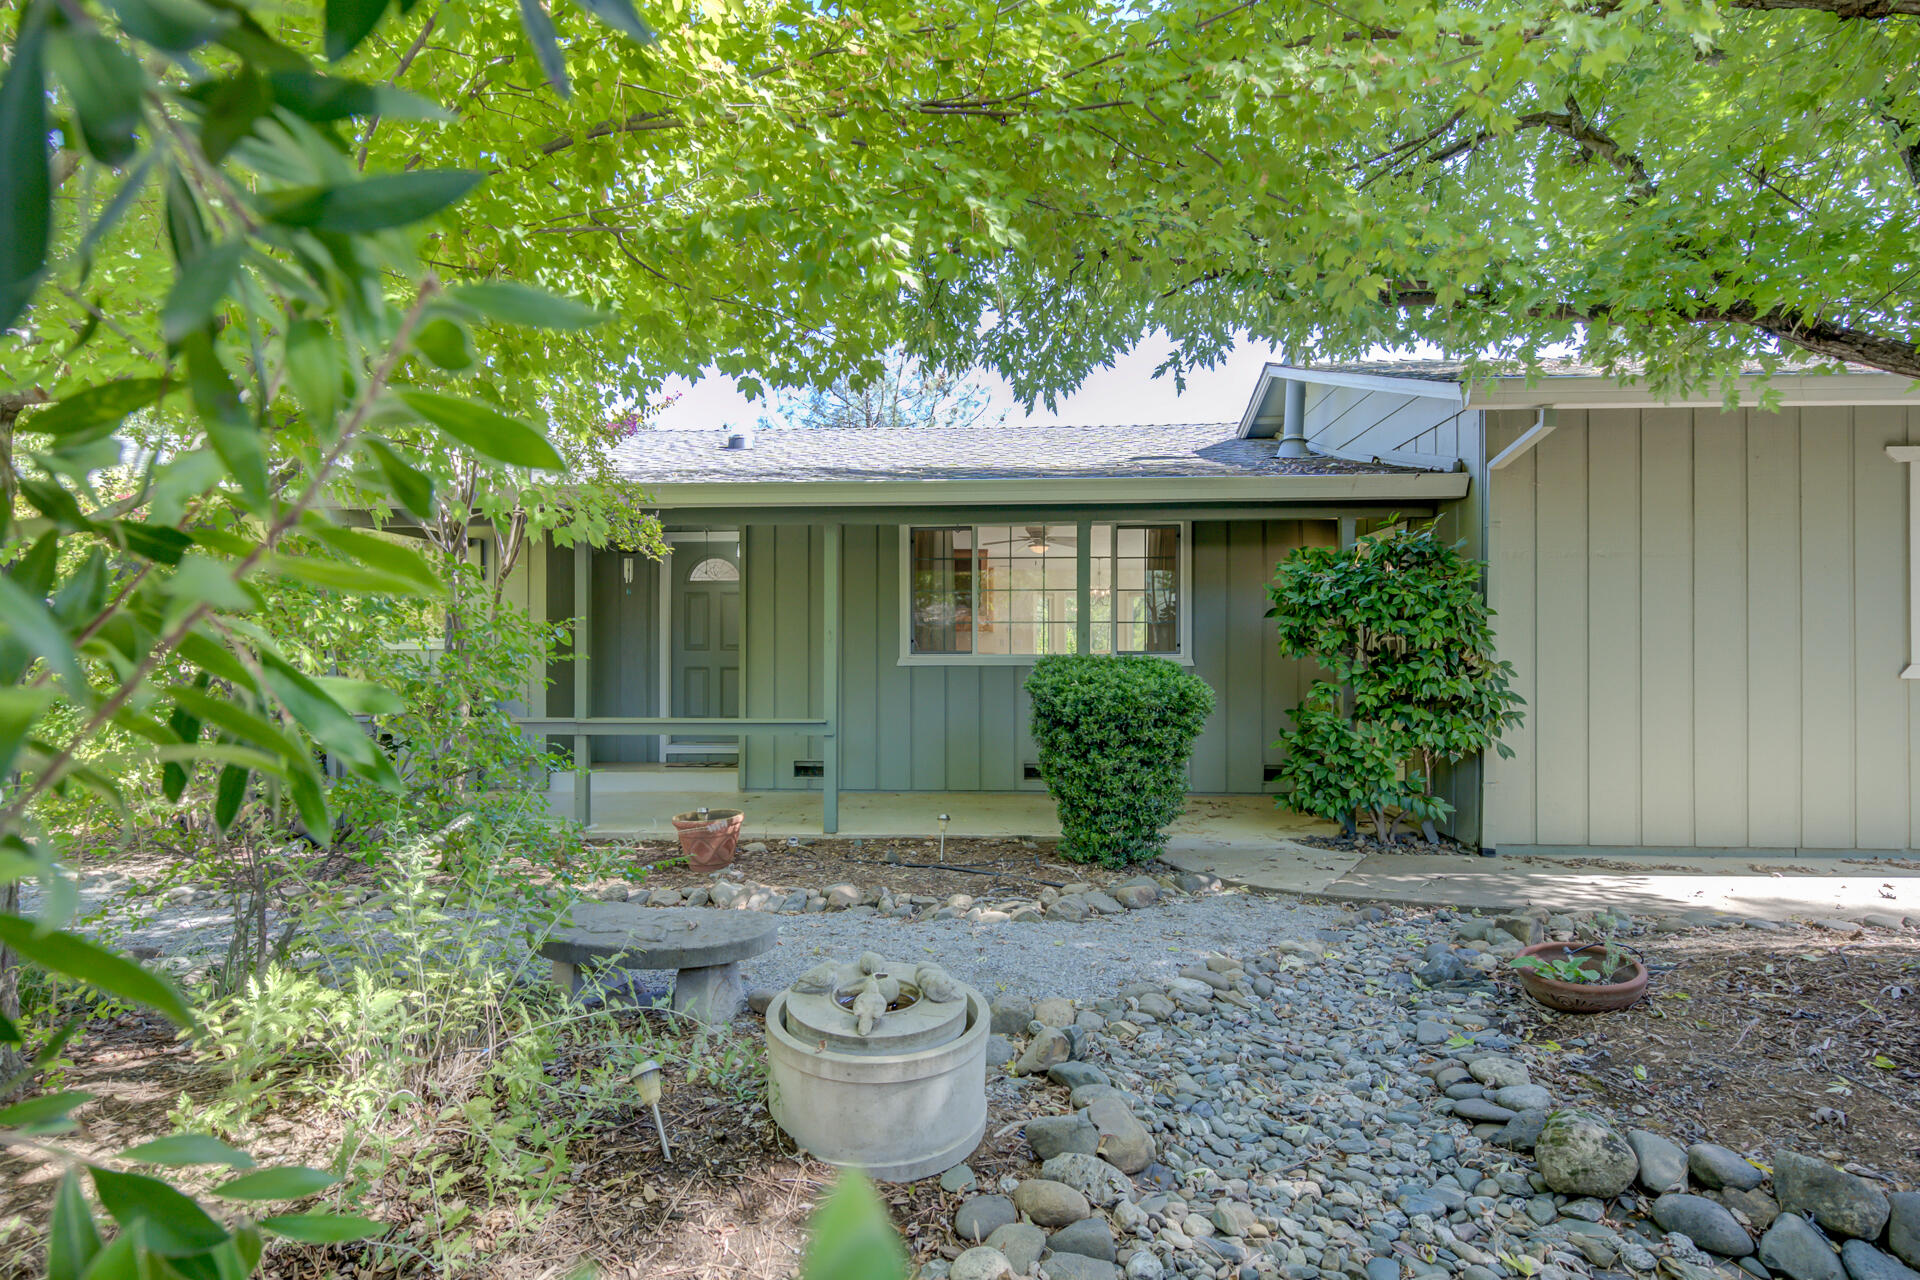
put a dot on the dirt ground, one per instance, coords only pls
(1758, 1041)
(732, 1199)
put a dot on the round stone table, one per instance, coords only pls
(702, 945)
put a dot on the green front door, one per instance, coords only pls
(705, 668)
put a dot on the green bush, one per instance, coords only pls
(1400, 626)
(1114, 734)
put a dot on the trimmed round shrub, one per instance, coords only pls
(1114, 735)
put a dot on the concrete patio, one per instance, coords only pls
(639, 801)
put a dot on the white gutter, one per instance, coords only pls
(1542, 427)
(1355, 486)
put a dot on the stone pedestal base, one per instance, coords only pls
(713, 994)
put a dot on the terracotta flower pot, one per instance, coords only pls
(709, 839)
(1583, 997)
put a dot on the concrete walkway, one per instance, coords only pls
(1796, 889)
(639, 803)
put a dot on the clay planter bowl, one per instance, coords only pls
(1583, 997)
(709, 841)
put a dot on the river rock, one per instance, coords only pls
(1903, 1226)
(1663, 1164)
(1837, 1200)
(1758, 1207)
(1075, 1074)
(1521, 1097)
(1523, 1131)
(1050, 1203)
(980, 1217)
(1077, 1266)
(1707, 1224)
(1089, 1237)
(981, 1263)
(1124, 1141)
(1498, 1073)
(1864, 1262)
(1011, 1015)
(1480, 1111)
(1092, 1177)
(1022, 1243)
(1715, 1166)
(1050, 1136)
(1795, 1248)
(1582, 1155)
(1055, 1011)
(1048, 1048)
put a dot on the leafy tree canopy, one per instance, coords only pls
(906, 394)
(786, 191)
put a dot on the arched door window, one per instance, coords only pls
(715, 569)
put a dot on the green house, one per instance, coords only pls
(1709, 611)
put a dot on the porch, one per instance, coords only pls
(639, 801)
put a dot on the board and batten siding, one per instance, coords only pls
(1707, 614)
(624, 670)
(965, 728)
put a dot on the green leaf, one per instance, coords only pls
(177, 26)
(371, 204)
(25, 622)
(120, 1260)
(96, 412)
(77, 958)
(321, 99)
(290, 1182)
(621, 16)
(511, 303)
(202, 580)
(311, 801)
(229, 430)
(178, 1150)
(485, 430)
(249, 726)
(172, 1225)
(385, 554)
(330, 724)
(323, 1228)
(851, 1236)
(37, 1113)
(338, 575)
(446, 343)
(159, 543)
(104, 83)
(20, 709)
(410, 486)
(363, 697)
(199, 289)
(230, 795)
(546, 45)
(232, 107)
(26, 212)
(348, 23)
(72, 1237)
(314, 373)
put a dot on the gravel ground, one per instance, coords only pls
(1079, 961)
(1045, 958)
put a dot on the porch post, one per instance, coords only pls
(830, 681)
(1083, 587)
(582, 686)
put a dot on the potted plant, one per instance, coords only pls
(708, 836)
(1581, 977)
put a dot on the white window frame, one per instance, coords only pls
(904, 614)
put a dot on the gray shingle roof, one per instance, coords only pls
(1437, 370)
(975, 453)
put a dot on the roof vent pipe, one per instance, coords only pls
(1293, 425)
(740, 440)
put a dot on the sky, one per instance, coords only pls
(1126, 393)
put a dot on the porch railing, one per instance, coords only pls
(621, 726)
(584, 728)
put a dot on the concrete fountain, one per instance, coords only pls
(880, 1066)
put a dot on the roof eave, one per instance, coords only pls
(1795, 390)
(1048, 490)
(1452, 392)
